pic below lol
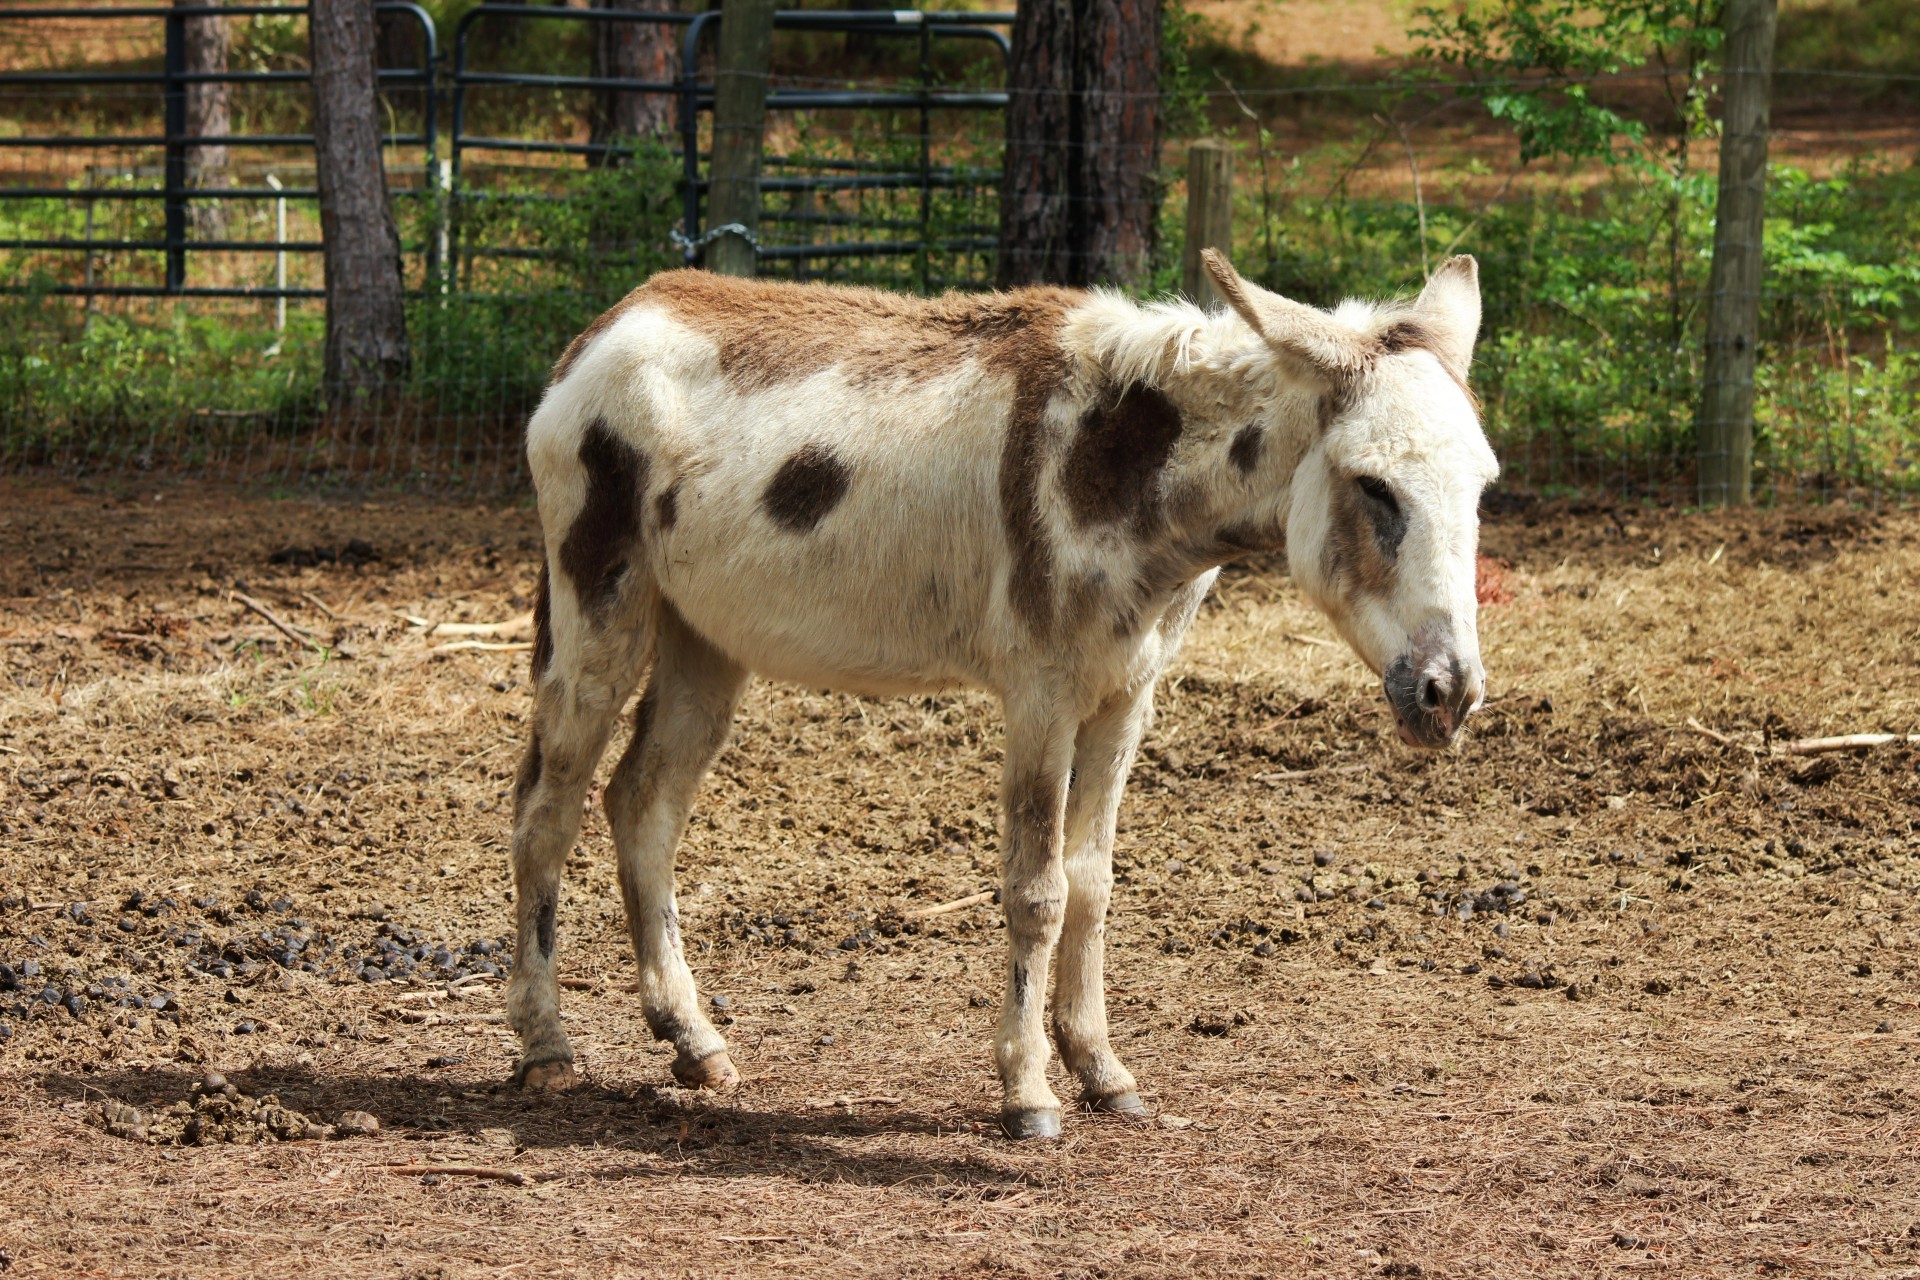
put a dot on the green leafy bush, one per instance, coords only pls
(154, 386)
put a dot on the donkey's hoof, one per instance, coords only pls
(1125, 1105)
(547, 1072)
(1030, 1122)
(712, 1071)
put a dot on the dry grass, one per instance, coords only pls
(1720, 1099)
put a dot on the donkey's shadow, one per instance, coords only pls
(648, 1132)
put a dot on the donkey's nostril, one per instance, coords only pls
(1431, 694)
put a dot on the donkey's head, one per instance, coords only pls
(1383, 528)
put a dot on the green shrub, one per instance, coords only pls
(165, 385)
(1589, 362)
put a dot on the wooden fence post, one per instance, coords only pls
(739, 132)
(1209, 214)
(1725, 424)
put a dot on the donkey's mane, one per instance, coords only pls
(1156, 342)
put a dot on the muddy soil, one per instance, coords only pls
(1613, 987)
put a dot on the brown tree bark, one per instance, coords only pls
(1725, 424)
(207, 115)
(633, 51)
(1081, 186)
(366, 349)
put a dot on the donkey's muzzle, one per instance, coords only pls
(1432, 695)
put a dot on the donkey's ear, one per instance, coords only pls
(1450, 307)
(1328, 348)
(1237, 293)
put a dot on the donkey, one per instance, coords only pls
(1026, 492)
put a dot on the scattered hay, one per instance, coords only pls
(1698, 1054)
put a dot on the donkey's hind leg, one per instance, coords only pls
(679, 728)
(579, 688)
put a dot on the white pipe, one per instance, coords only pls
(279, 262)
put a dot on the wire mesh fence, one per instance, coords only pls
(522, 217)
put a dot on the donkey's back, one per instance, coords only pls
(779, 463)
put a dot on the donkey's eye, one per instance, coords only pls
(1376, 489)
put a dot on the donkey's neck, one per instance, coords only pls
(1246, 420)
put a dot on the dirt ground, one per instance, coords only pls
(1598, 992)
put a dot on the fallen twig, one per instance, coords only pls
(522, 623)
(1295, 775)
(1297, 638)
(1845, 742)
(470, 979)
(458, 989)
(1809, 746)
(458, 646)
(1718, 737)
(958, 904)
(511, 1176)
(290, 632)
(434, 1018)
(319, 604)
(853, 1100)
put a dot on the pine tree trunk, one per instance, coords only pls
(207, 116)
(1081, 188)
(632, 51)
(366, 350)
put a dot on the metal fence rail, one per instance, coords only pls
(136, 331)
(159, 317)
(447, 84)
(174, 194)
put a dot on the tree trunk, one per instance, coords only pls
(366, 351)
(1725, 426)
(1081, 189)
(207, 116)
(632, 51)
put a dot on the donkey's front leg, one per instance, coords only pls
(1103, 753)
(1033, 800)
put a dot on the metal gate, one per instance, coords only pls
(437, 86)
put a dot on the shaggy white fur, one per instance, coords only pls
(1030, 494)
